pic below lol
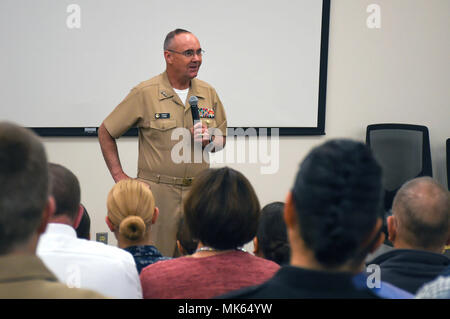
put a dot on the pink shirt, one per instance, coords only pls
(206, 277)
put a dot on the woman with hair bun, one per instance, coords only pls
(131, 212)
(271, 240)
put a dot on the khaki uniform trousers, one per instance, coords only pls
(169, 199)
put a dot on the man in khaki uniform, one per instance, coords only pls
(25, 207)
(172, 151)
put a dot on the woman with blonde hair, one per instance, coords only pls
(131, 212)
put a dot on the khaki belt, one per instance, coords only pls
(163, 179)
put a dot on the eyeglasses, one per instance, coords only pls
(189, 53)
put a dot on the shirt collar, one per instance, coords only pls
(147, 250)
(60, 229)
(412, 256)
(165, 90)
(196, 89)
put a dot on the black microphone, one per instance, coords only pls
(193, 101)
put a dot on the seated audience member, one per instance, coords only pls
(79, 262)
(84, 228)
(436, 289)
(333, 220)
(271, 238)
(186, 245)
(25, 207)
(131, 212)
(222, 212)
(419, 229)
(381, 250)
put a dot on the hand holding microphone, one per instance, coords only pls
(199, 130)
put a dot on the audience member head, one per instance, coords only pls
(25, 204)
(131, 212)
(222, 209)
(84, 228)
(333, 213)
(185, 243)
(65, 188)
(421, 216)
(271, 240)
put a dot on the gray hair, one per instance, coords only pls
(171, 35)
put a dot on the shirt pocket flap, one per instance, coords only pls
(163, 125)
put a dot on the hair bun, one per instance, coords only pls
(132, 227)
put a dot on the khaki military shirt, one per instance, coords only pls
(26, 276)
(155, 108)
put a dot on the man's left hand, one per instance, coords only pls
(200, 133)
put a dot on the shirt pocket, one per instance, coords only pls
(159, 133)
(163, 124)
(213, 127)
(209, 122)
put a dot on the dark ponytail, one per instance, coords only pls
(338, 195)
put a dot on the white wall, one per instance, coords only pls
(398, 73)
(75, 75)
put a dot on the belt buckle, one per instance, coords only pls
(187, 181)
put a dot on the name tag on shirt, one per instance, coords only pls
(162, 116)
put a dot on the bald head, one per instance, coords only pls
(183, 55)
(170, 37)
(422, 210)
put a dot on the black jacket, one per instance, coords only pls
(293, 282)
(409, 269)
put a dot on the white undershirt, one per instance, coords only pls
(182, 94)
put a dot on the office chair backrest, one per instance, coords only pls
(448, 163)
(403, 151)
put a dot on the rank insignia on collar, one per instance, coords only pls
(206, 113)
(164, 93)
